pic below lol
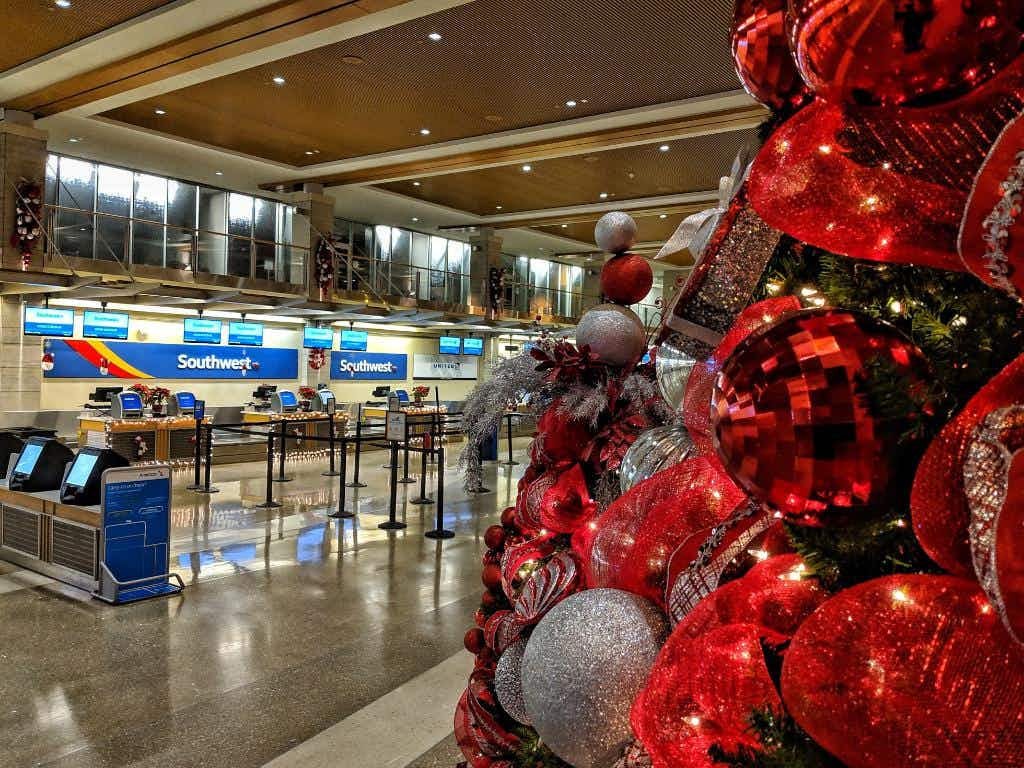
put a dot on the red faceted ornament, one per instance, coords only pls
(908, 672)
(701, 384)
(792, 425)
(701, 692)
(760, 51)
(567, 504)
(626, 279)
(898, 53)
(938, 504)
(633, 540)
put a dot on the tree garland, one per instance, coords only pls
(325, 266)
(28, 213)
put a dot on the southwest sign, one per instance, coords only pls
(368, 366)
(74, 359)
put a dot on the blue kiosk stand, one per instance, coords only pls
(134, 547)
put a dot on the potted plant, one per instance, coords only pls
(419, 393)
(154, 397)
(306, 395)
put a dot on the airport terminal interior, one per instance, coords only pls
(550, 384)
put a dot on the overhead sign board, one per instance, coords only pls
(369, 366)
(445, 367)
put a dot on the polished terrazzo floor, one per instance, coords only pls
(292, 633)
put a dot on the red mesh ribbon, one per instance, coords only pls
(567, 504)
(699, 387)
(908, 671)
(530, 497)
(560, 437)
(634, 538)
(483, 739)
(938, 504)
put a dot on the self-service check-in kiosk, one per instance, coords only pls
(82, 484)
(284, 401)
(325, 401)
(40, 465)
(126, 405)
(181, 404)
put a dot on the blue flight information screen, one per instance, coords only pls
(449, 345)
(43, 321)
(473, 347)
(245, 334)
(81, 469)
(27, 460)
(354, 341)
(318, 338)
(199, 330)
(105, 325)
(186, 400)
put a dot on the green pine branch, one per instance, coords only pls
(533, 753)
(784, 744)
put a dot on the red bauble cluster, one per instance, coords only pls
(626, 279)
(760, 50)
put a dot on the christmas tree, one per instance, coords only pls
(796, 537)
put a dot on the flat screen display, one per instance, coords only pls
(81, 469)
(288, 399)
(105, 325)
(473, 347)
(245, 334)
(354, 341)
(186, 400)
(199, 330)
(326, 395)
(449, 345)
(43, 321)
(130, 401)
(318, 338)
(27, 460)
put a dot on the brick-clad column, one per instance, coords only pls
(22, 156)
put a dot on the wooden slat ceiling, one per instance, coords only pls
(650, 229)
(33, 28)
(499, 66)
(693, 165)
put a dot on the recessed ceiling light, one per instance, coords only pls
(570, 104)
(159, 111)
(424, 131)
(435, 36)
(310, 152)
(604, 195)
(565, 226)
(218, 173)
(62, 3)
(74, 139)
(497, 207)
(278, 80)
(355, 61)
(416, 184)
(663, 216)
(415, 218)
(664, 148)
(527, 168)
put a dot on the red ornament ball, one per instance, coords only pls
(488, 600)
(494, 537)
(626, 279)
(491, 577)
(898, 53)
(474, 640)
(508, 518)
(908, 671)
(560, 437)
(760, 51)
(792, 423)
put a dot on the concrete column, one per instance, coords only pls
(485, 253)
(591, 286)
(315, 215)
(21, 376)
(22, 157)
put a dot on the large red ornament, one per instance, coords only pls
(560, 437)
(626, 279)
(792, 425)
(938, 505)
(900, 52)
(567, 504)
(908, 672)
(701, 692)
(632, 541)
(760, 51)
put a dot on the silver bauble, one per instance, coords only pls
(676, 358)
(508, 682)
(585, 662)
(615, 232)
(615, 334)
(656, 449)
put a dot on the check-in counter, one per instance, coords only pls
(142, 440)
(298, 428)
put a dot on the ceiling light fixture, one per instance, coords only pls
(604, 195)
(435, 36)
(74, 139)
(565, 226)
(62, 3)
(663, 216)
(310, 152)
(159, 111)
(278, 80)
(570, 104)
(219, 173)
(424, 131)
(527, 168)
(415, 218)
(664, 148)
(416, 184)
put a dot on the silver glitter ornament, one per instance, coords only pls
(656, 449)
(508, 683)
(615, 232)
(584, 664)
(615, 334)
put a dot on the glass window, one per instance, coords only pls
(213, 210)
(113, 191)
(77, 184)
(147, 244)
(421, 260)
(50, 191)
(401, 245)
(112, 239)
(150, 198)
(181, 204)
(265, 227)
(180, 243)
(239, 256)
(74, 234)
(382, 241)
(213, 253)
(240, 215)
(286, 224)
(266, 256)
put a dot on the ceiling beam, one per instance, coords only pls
(735, 117)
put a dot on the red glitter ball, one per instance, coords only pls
(792, 425)
(760, 51)
(908, 672)
(626, 279)
(894, 52)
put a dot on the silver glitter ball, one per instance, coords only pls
(656, 449)
(615, 334)
(508, 683)
(615, 232)
(584, 664)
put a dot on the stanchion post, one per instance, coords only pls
(393, 524)
(359, 449)
(209, 462)
(342, 513)
(510, 462)
(283, 454)
(423, 499)
(330, 446)
(269, 503)
(405, 460)
(439, 531)
(198, 458)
